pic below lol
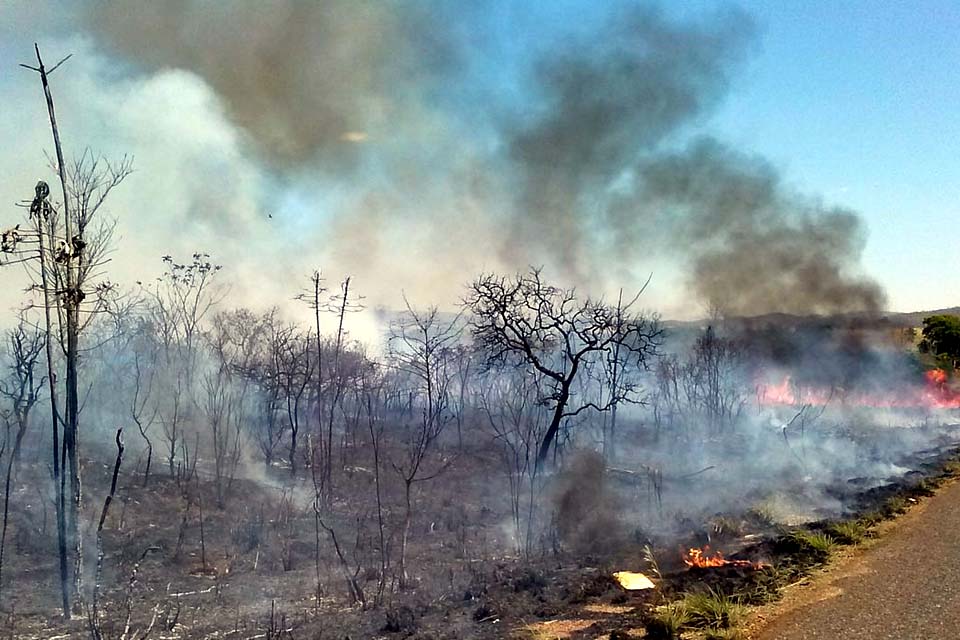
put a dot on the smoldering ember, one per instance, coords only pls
(446, 319)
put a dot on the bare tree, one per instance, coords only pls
(509, 399)
(72, 242)
(177, 304)
(331, 393)
(295, 373)
(143, 405)
(234, 340)
(421, 345)
(523, 321)
(23, 385)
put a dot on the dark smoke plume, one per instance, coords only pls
(606, 101)
(596, 176)
(753, 245)
(306, 80)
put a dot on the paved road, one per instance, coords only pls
(904, 587)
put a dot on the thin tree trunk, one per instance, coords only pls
(405, 535)
(93, 616)
(71, 300)
(48, 304)
(6, 512)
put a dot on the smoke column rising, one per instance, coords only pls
(601, 173)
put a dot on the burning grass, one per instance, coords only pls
(712, 595)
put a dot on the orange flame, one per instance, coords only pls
(933, 393)
(702, 559)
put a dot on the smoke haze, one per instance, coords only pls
(366, 138)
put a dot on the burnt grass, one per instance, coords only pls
(259, 581)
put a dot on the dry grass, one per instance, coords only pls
(608, 609)
(555, 629)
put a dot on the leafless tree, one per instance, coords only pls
(72, 242)
(234, 340)
(332, 391)
(22, 387)
(509, 399)
(354, 588)
(421, 345)
(700, 394)
(143, 405)
(177, 304)
(524, 321)
(295, 374)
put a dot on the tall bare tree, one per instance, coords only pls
(72, 241)
(421, 346)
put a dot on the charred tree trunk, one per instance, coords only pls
(558, 414)
(42, 211)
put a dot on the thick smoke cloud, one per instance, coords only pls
(609, 99)
(595, 176)
(753, 246)
(307, 80)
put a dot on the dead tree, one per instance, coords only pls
(354, 589)
(509, 400)
(295, 375)
(523, 321)
(72, 241)
(264, 371)
(421, 346)
(178, 304)
(172, 422)
(330, 393)
(93, 611)
(371, 390)
(25, 382)
(235, 340)
(5, 417)
(143, 406)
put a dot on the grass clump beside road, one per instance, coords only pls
(667, 622)
(848, 532)
(713, 610)
(715, 613)
(816, 544)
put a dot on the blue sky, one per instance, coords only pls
(858, 102)
(854, 103)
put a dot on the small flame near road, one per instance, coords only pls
(703, 559)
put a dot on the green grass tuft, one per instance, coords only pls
(817, 543)
(848, 532)
(713, 610)
(895, 506)
(667, 622)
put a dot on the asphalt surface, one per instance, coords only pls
(905, 586)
